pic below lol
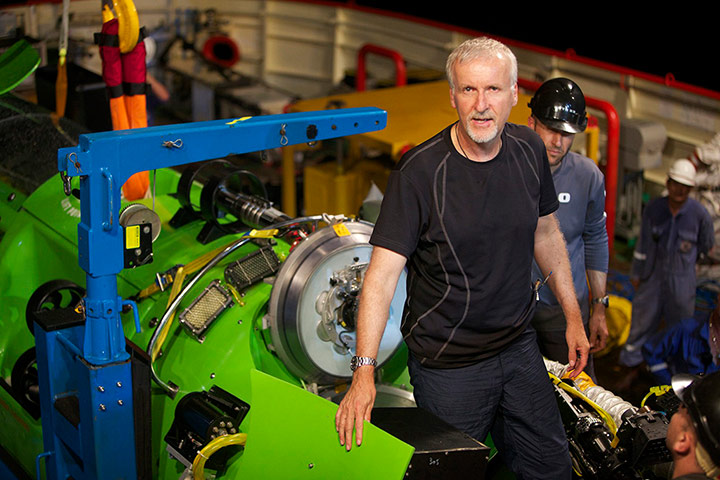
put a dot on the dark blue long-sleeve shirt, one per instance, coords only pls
(581, 192)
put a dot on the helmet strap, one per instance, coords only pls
(703, 459)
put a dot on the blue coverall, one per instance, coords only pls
(684, 348)
(664, 263)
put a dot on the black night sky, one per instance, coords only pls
(676, 38)
(680, 41)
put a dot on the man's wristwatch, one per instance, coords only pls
(602, 300)
(357, 362)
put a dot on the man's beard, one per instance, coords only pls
(486, 136)
(555, 161)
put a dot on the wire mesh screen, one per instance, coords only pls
(29, 141)
(252, 268)
(204, 309)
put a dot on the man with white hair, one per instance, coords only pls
(467, 211)
(675, 231)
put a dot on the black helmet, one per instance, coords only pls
(701, 396)
(560, 104)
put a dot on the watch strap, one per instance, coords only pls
(357, 362)
(604, 300)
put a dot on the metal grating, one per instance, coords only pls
(198, 317)
(252, 268)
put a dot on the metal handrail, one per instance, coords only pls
(400, 69)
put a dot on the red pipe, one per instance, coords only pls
(611, 168)
(400, 69)
(613, 149)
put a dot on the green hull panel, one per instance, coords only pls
(300, 431)
(288, 427)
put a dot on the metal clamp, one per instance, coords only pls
(73, 158)
(283, 133)
(67, 188)
(538, 285)
(173, 144)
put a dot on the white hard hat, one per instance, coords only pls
(150, 49)
(683, 171)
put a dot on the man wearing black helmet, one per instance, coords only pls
(693, 436)
(558, 113)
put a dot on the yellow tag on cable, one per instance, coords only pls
(262, 233)
(341, 230)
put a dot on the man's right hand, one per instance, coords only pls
(378, 289)
(356, 406)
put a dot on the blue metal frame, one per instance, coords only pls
(90, 361)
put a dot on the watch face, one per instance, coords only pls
(602, 300)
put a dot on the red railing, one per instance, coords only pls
(400, 69)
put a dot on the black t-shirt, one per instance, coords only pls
(467, 229)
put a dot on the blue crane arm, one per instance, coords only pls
(104, 161)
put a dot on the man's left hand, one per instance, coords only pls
(598, 330)
(578, 347)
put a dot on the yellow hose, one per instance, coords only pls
(198, 466)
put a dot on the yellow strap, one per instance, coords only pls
(201, 261)
(192, 267)
(177, 285)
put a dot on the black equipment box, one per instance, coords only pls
(441, 450)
